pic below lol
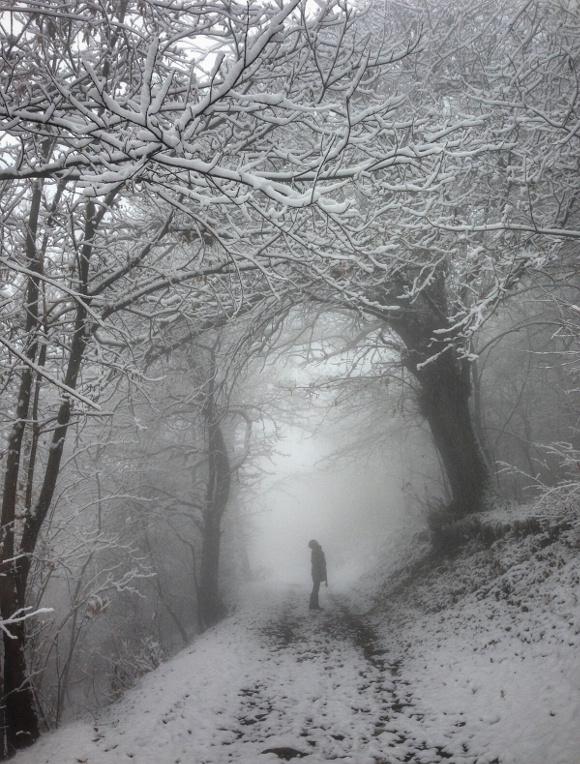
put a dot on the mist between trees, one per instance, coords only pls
(195, 194)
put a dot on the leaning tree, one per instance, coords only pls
(487, 199)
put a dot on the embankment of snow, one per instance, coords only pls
(489, 637)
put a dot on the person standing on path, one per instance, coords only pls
(318, 573)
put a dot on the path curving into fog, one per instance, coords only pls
(330, 691)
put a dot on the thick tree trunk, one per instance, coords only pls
(20, 722)
(444, 402)
(210, 606)
(444, 392)
(18, 713)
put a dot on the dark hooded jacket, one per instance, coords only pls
(318, 562)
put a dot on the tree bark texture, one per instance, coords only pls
(20, 719)
(444, 402)
(210, 606)
(444, 392)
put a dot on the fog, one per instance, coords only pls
(349, 508)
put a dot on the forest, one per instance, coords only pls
(220, 217)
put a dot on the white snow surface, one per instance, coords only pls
(471, 659)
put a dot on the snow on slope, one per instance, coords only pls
(491, 639)
(469, 660)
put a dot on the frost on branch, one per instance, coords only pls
(21, 615)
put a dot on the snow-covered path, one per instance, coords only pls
(325, 691)
(274, 682)
(469, 660)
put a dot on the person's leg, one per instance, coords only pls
(314, 596)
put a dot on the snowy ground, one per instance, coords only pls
(473, 661)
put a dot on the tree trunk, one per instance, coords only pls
(19, 708)
(444, 402)
(445, 389)
(211, 609)
(210, 606)
(20, 722)
(478, 417)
